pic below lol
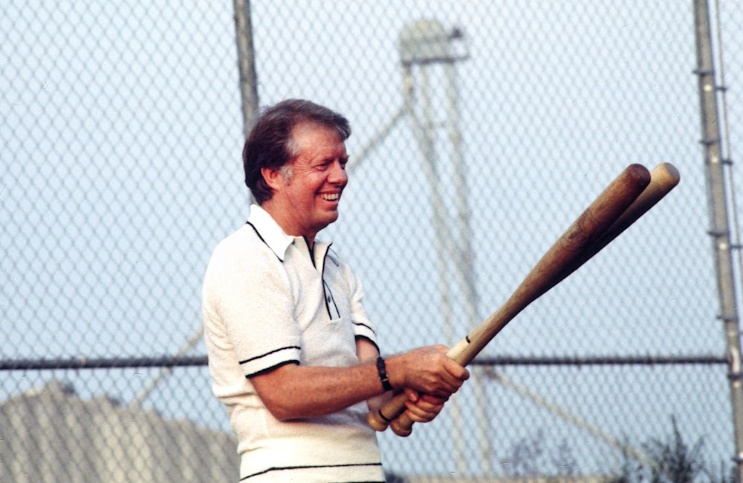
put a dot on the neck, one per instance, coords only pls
(281, 216)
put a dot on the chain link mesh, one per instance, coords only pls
(121, 135)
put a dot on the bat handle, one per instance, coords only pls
(393, 415)
(402, 425)
(381, 418)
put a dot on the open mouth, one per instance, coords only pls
(330, 197)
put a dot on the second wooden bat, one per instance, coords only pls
(564, 257)
(663, 178)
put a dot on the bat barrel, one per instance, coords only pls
(663, 178)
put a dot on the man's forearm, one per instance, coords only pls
(292, 391)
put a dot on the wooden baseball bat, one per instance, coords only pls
(562, 256)
(663, 178)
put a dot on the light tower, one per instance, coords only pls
(429, 52)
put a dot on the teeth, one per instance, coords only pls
(333, 197)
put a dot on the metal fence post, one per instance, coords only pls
(718, 213)
(246, 63)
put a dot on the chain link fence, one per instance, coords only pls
(121, 135)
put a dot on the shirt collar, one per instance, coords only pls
(274, 236)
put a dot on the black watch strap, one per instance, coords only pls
(382, 369)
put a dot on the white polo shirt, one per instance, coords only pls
(269, 301)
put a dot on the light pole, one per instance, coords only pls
(425, 48)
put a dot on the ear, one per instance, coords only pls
(274, 177)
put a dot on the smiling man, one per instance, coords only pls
(292, 354)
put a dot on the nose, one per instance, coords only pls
(338, 174)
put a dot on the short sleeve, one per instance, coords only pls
(362, 326)
(249, 301)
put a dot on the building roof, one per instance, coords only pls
(51, 434)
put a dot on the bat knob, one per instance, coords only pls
(376, 421)
(402, 426)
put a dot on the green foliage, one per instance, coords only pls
(674, 461)
(391, 477)
(671, 459)
(529, 457)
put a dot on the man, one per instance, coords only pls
(292, 353)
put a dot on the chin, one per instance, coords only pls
(330, 218)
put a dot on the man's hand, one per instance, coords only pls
(427, 370)
(423, 408)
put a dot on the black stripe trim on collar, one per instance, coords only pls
(264, 241)
(310, 250)
(331, 255)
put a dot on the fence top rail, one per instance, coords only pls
(102, 363)
(505, 360)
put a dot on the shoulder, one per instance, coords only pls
(241, 249)
(244, 241)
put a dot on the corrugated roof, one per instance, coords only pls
(51, 434)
